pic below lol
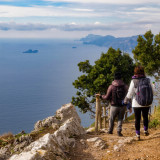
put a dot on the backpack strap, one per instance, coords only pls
(136, 82)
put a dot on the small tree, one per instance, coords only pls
(97, 78)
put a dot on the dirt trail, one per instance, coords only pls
(148, 148)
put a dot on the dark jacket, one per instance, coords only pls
(112, 88)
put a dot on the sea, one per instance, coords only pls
(34, 85)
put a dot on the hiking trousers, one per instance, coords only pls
(116, 111)
(137, 112)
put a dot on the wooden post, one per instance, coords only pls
(109, 111)
(126, 113)
(154, 109)
(100, 115)
(104, 114)
(97, 112)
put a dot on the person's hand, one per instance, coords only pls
(98, 94)
(124, 104)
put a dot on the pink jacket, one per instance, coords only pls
(112, 88)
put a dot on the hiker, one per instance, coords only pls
(141, 93)
(116, 94)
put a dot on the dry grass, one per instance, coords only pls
(6, 138)
(37, 134)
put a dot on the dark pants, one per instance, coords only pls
(137, 112)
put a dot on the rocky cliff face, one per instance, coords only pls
(66, 124)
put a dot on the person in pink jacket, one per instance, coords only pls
(116, 93)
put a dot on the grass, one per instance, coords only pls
(131, 117)
(6, 138)
(37, 134)
(155, 122)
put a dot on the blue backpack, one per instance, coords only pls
(144, 94)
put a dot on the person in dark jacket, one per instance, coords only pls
(116, 94)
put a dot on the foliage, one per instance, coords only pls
(156, 119)
(147, 53)
(157, 113)
(98, 77)
(131, 117)
(6, 138)
(154, 123)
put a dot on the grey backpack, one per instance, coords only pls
(144, 94)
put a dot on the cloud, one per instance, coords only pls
(47, 11)
(108, 1)
(74, 30)
(74, 26)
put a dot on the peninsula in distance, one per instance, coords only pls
(123, 43)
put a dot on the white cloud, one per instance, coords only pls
(17, 30)
(73, 23)
(108, 1)
(47, 11)
(6, 26)
(97, 23)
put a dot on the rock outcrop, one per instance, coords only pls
(67, 125)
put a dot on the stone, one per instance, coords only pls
(82, 141)
(4, 152)
(66, 112)
(69, 129)
(90, 130)
(55, 126)
(46, 123)
(44, 148)
(98, 142)
(122, 143)
(93, 139)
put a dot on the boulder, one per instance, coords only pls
(46, 123)
(66, 112)
(67, 131)
(44, 148)
(54, 146)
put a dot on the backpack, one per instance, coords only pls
(144, 93)
(118, 95)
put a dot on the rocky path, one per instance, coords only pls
(118, 148)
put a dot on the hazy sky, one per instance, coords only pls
(77, 18)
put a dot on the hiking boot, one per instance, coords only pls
(146, 133)
(109, 132)
(119, 134)
(137, 137)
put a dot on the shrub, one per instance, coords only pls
(154, 123)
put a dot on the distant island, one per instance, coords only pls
(31, 51)
(124, 43)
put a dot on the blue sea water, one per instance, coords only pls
(34, 86)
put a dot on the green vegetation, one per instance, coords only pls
(6, 138)
(131, 117)
(155, 122)
(98, 77)
(147, 53)
(40, 133)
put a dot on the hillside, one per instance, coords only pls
(61, 137)
(124, 43)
